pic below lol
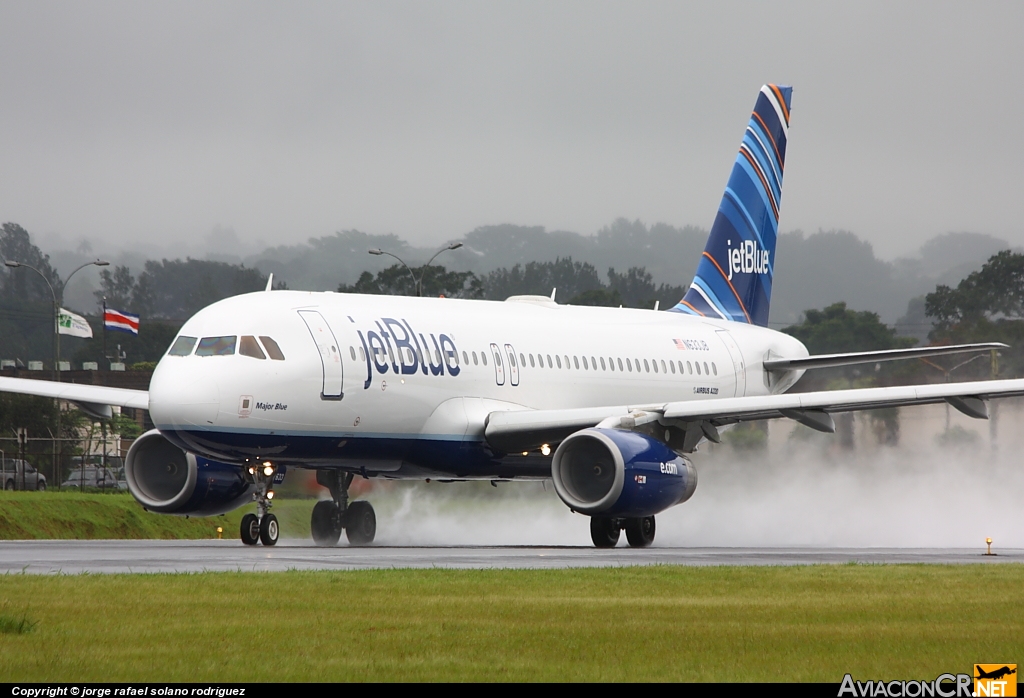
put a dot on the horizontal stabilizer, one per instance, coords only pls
(870, 357)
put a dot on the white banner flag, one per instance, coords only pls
(74, 325)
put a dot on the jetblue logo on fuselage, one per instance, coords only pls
(394, 346)
(747, 258)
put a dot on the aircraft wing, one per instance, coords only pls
(94, 399)
(870, 357)
(523, 430)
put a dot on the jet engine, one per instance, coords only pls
(614, 473)
(167, 480)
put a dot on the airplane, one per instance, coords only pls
(995, 673)
(607, 403)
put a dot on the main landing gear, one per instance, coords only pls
(262, 526)
(331, 516)
(605, 531)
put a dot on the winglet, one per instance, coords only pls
(270, 282)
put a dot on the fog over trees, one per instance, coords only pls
(625, 263)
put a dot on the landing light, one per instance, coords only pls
(546, 450)
(252, 471)
(270, 494)
(268, 469)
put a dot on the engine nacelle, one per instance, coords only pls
(165, 479)
(609, 472)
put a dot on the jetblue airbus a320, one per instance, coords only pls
(605, 402)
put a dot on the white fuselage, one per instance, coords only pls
(402, 386)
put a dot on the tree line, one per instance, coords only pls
(828, 266)
(987, 305)
(573, 282)
(165, 293)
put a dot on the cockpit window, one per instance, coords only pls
(216, 346)
(182, 346)
(275, 351)
(249, 347)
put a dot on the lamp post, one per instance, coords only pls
(417, 283)
(56, 336)
(55, 342)
(56, 303)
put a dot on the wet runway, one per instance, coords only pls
(149, 556)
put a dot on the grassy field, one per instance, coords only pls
(628, 624)
(75, 515)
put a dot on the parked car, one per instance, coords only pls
(110, 461)
(17, 474)
(91, 477)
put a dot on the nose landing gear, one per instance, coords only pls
(329, 517)
(261, 527)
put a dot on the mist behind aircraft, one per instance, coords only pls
(801, 492)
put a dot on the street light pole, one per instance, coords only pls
(56, 303)
(55, 342)
(378, 252)
(417, 283)
(56, 337)
(453, 246)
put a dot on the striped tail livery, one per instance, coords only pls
(734, 276)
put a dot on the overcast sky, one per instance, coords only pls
(150, 122)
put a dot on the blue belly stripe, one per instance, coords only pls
(400, 456)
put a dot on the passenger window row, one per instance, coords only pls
(226, 345)
(626, 365)
(559, 361)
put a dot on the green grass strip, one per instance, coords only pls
(811, 623)
(86, 516)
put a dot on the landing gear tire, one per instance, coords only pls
(605, 532)
(250, 529)
(269, 530)
(640, 532)
(325, 524)
(360, 523)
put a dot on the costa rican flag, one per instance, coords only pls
(120, 321)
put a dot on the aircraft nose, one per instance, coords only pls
(181, 396)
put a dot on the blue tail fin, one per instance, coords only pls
(734, 276)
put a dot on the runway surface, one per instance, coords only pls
(149, 556)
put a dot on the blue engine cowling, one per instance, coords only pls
(165, 479)
(609, 472)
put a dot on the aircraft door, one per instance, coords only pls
(513, 365)
(499, 364)
(330, 353)
(739, 369)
